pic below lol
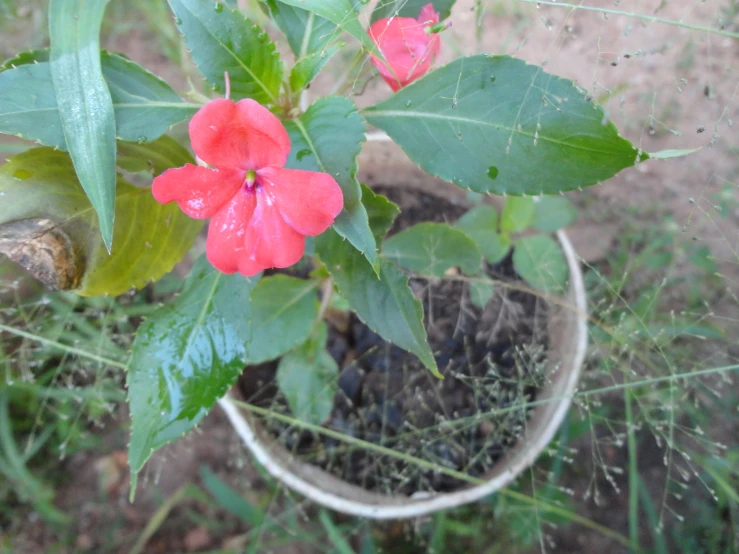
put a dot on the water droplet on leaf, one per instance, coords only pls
(218, 7)
(177, 21)
(492, 78)
(492, 172)
(302, 153)
(408, 103)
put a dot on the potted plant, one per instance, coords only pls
(283, 426)
(110, 201)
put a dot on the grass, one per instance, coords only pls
(652, 432)
(653, 375)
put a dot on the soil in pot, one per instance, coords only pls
(492, 358)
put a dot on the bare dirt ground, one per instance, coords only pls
(665, 86)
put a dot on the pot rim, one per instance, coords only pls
(380, 506)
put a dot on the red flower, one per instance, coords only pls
(407, 46)
(261, 212)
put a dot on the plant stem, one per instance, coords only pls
(327, 291)
(426, 464)
(636, 15)
(341, 81)
(633, 476)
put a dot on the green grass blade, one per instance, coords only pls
(659, 547)
(334, 534)
(160, 516)
(12, 466)
(230, 500)
(633, 476)
(85, 105)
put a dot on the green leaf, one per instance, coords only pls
(306, 32)
(185, 356)
(222, 40)
(517, 214)
(481, 292)
(381, 212)
(496, 124)
(306, 68)
(667, 154)
(540, 261)
(481, 224)
(41, 184)
(24, 58)
(283, 310)
(154, 157)
(30, 116)
(339, 12)
(552, 213)
(410, 8)
(328, 137)
(84, 102)
(308, 377)
(432, 248)
(144, 105)
(386, 305)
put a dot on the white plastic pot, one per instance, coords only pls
(567, 343)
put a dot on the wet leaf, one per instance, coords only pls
(307, 67)
(223, 40)
(308, 377)
(185, 357)
(497, 124)
(339, 12)
(306, 32)
(144, 105)
(432, 248)
(328, 137)
(84, 104)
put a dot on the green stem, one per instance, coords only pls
(425, 464)
(636, 15)
(63, 347)
(341, 82)
(633, 476)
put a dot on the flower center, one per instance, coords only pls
(249, 179)
(437, 28)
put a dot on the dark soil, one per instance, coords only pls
(492, 358)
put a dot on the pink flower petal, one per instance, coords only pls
(428, 15)
(225, 245)
(407, 48)
(269, 240)
(199, 191)
(245, 135)
(309, 201)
